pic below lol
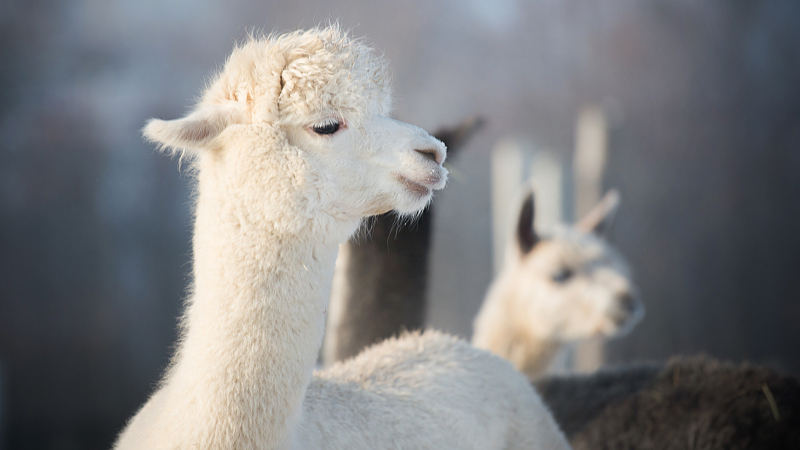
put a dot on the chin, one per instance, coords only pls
(414, 196)
(413, 203)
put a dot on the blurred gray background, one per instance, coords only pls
(95, 226)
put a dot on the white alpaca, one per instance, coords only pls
(292, 148)
(556, 290)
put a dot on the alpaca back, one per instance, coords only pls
(423, 389)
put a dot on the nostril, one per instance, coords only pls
(431, 154)
(628, 303)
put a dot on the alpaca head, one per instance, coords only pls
(571, 285)
(301, 120)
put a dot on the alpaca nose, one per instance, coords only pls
(432, 154)
(628, 303)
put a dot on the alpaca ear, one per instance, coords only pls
(601, 217)
(454, 138)
(526, 237)
(197, 130)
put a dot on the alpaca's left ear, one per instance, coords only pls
(526, 237)
(197, 130)
(600, 218)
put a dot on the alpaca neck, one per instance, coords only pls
(530, 356)
(501, 330)
(380, 286)
(253, 327)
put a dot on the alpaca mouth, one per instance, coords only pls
(412, 186)
(629, 313)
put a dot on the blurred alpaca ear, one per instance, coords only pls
(195, 131)
(526, 237)
(456, 137)
(601, 217)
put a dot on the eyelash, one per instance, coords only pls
(327, 127)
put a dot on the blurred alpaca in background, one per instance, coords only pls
(557, 289)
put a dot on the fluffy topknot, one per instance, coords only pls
(304, 76)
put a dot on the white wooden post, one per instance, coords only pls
(547, 176)
(591, 147)
(508, 172)
(514, 163)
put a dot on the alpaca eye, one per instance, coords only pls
(562, 275)
(328, 127)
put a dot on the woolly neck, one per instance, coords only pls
(505, 334)
(253, 326)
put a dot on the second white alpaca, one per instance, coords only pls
(292, 148)
(556, 290)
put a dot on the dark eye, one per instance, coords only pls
(327, 127)
(562, 275)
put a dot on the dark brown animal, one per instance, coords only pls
(387, 268)
(689, 403)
